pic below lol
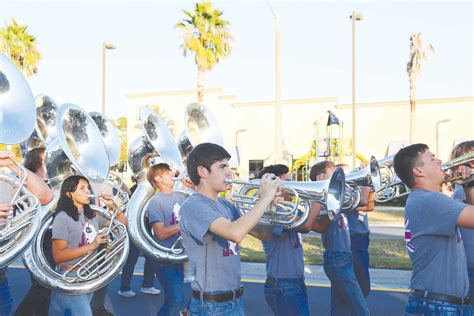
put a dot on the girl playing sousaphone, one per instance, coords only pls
(76, 233)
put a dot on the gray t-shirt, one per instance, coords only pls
(466, 233)
(434, 243)
(337, 237)
(358, 222)
(165, 208)
(76, 233)
(217, 260)
(284, 253)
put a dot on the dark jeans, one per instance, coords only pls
(471, 285)
(127, 271)
(360, 254)
(6, 299)
(171, 278)
(287, 296)
(346, 295)
(427, 307)
(229, 308)
(36, 301)
(98, 299)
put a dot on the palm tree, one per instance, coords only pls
(206, 35)
(417, 57)
(20, 46)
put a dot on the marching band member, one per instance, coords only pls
(285, 290)
(36, 301)
(346, 295)
(212, 229)
(360, 234)
(439, 282)
(75, 233)
(36, 186)
(466, 233)
(163, 215)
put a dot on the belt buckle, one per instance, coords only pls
(201, 296)
(234, 294)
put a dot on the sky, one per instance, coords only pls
(316, 49)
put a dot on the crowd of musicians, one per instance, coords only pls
(438, 235)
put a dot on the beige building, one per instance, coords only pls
(250, 125)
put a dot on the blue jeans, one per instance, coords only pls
(346, 295)
(360, 254)
(127, 271)
(70, 305)
(171, 278)
(6, 300)
(427, 307)
(286, 296)
(229, 308)
(471, 285)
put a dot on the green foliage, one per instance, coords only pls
(20, 46)
(206, 34)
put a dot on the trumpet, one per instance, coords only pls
(292, 214)
(456, 162)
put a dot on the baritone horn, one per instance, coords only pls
(293, 213)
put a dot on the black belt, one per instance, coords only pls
(442, 297)
(219, 297)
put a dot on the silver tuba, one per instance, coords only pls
(392, 187)
(157, 140)
(200, 126)
(17, 121)
(329, 193)
(79, 149)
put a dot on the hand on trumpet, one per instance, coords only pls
(270, 188)
(462, 174)
(6, 210)
(106, 200)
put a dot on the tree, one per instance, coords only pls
(417, 57)
(20, 46)
(206, 35)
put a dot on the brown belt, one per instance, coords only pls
(220, 297)
(67, 268)
(442, 297)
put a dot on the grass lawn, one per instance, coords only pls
(387, 253)
(386, 216)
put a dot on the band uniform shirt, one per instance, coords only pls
(165, 208)
(358, 222)
(466, 233)
(337, 237)
(435, 244)
(76, 233)
(284, 251)
(217, 260)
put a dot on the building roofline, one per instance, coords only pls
(286, 102)
(407, 102)
(171, 93)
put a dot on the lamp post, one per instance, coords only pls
(354, 17)
(105, 46)
(278, 134)
(437, 134)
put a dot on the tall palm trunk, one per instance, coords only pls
(200, 86)
(412, 107)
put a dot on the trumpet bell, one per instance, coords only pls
(17, 105)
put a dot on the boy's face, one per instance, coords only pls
(166, 178)
(219, 173)
(430, 167)
(327, 175)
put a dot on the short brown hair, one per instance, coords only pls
(320, 168)
(155, 170)
(462, 148)
(405, 160)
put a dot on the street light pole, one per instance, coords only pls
(354, 17)
(105, 46)
(278, 127)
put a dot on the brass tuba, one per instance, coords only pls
(294, 213)
(17, 121)
(156, 140)
(78, 149)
